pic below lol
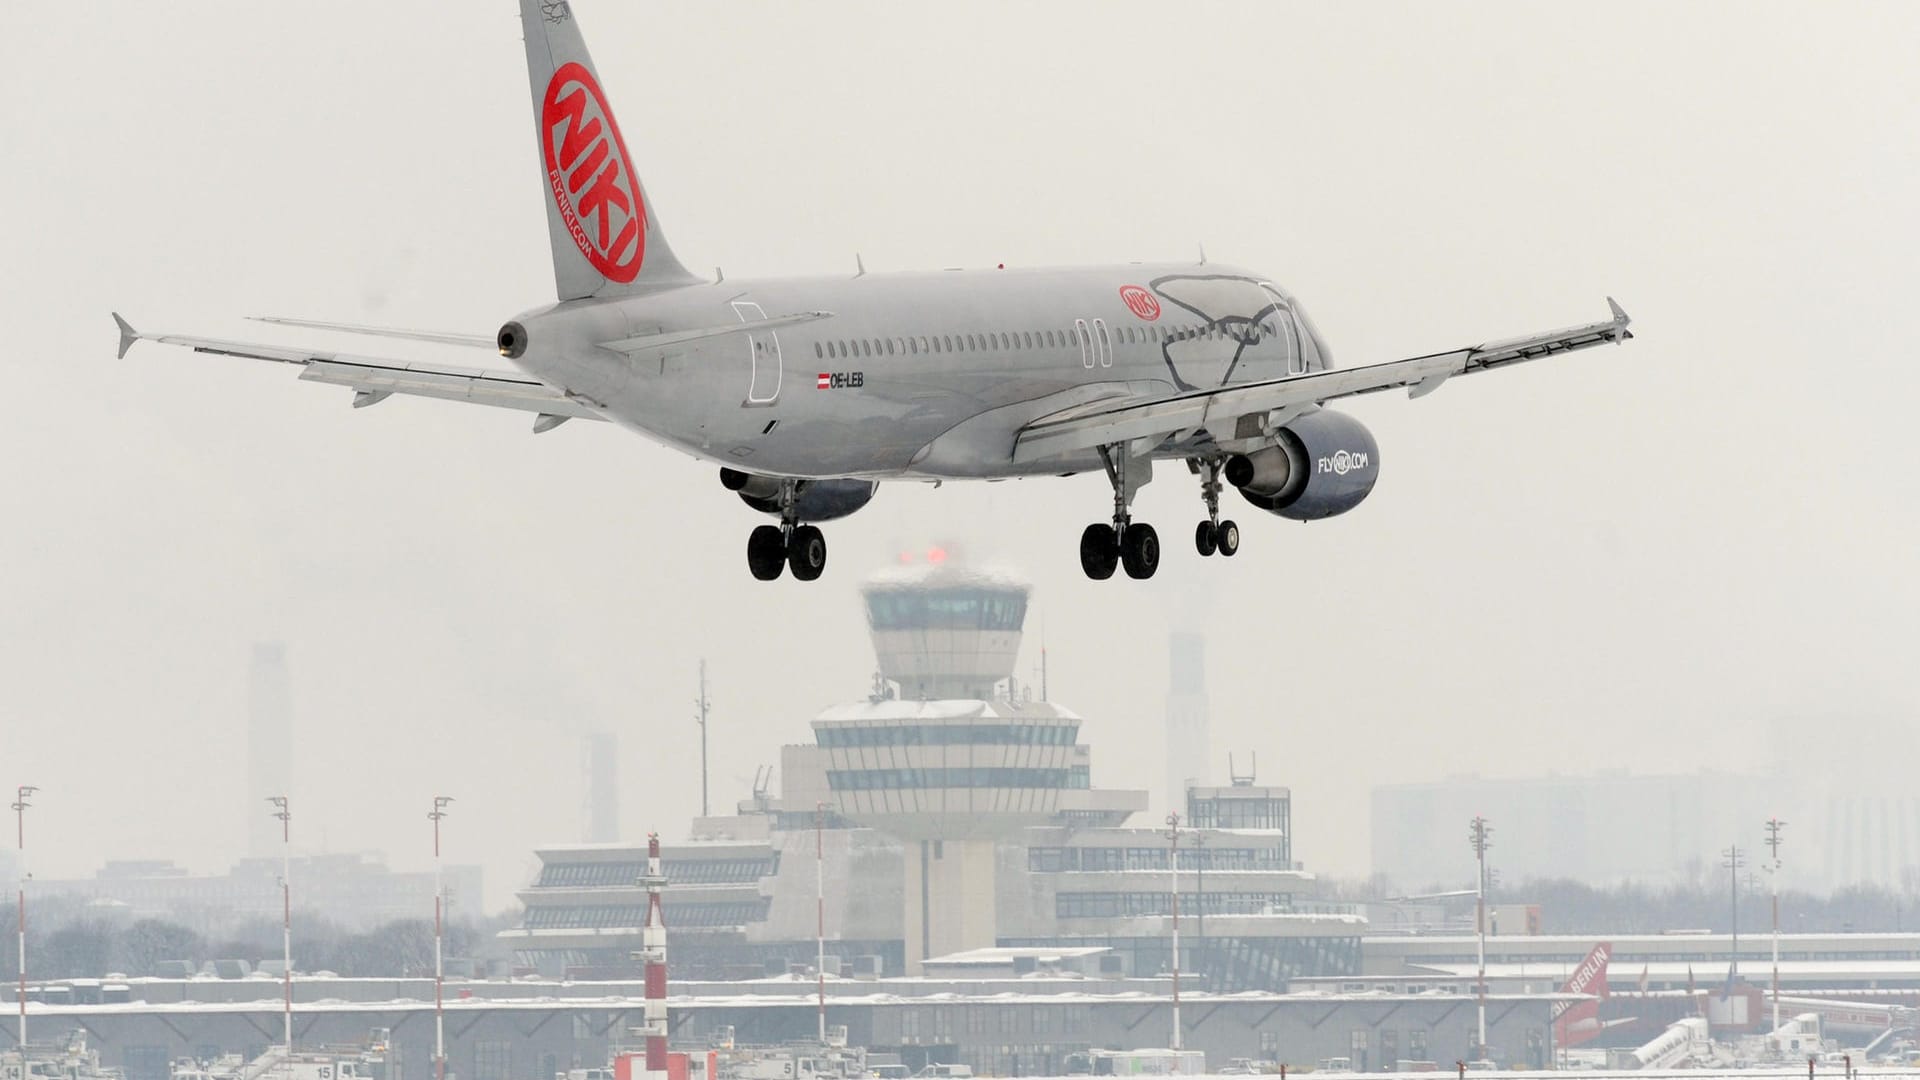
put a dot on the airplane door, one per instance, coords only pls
(763, 349)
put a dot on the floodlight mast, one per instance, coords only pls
(1733, 858)
(1480, 836)
(20, 805)
(820, 912)
(1774, 825)
(438, 812)
(283, 811)
(1173, 876)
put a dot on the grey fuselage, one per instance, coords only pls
(915, 375)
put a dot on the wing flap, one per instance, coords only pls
(1081, 428)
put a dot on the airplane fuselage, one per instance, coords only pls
(914, 375)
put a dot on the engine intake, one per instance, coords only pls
(1321, 464)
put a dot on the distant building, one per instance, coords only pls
(1187, 752)
(1605, 828)
(1852, 818)
(356, 891)
(600, 769)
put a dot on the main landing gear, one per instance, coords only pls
(1134, 545)
(1213, 535)
(788, 545)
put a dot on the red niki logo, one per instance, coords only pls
(1140, 302)
(589, 170)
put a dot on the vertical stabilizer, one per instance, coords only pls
(606, 238)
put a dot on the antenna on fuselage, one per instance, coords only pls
(861, 264)
(1203, 254)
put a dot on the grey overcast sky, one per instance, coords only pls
(1631, 557)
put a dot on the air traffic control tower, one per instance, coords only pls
(951, 754)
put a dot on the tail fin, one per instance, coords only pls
(606, 239)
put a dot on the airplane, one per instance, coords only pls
(808, 393)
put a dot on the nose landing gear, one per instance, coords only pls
(1213, 535)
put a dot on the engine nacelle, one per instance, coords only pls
(1321, 464)
(817, 500)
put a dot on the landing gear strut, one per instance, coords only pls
(1213, 535)
(788, 545)
(1134, 545)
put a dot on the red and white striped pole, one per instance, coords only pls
(653, 943)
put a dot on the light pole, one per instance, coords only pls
(1480, 836)
(1173, 876)
(20, 805)
(1201, 855)
(703, 705)
(820, 912)
(1733, 859)
(284, 813)
(1774, 825)
(439, 966)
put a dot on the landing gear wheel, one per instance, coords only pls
(1099, 551)
(1140, 551)
(766, 552)
(806, 553)
(1227, 536)
(1204, 538)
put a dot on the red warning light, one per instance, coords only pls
(936, 556)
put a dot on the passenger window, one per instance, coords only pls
(949, 342)
(889, 346)
(913, 347)
(818, 352)
(923, 343)
(972, 342)
(866, 349)
(936, 346)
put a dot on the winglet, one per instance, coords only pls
(1621, 320)
(128, 335)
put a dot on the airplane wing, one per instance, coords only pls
(374, 379)
(1221, 409)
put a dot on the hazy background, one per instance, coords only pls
(1640, 556)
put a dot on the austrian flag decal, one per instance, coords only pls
(825, 382)
(591, 175)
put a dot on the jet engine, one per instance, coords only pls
(1319, 465)
(816, 500)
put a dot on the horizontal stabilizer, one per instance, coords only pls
(443, 337)
(373, 378)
